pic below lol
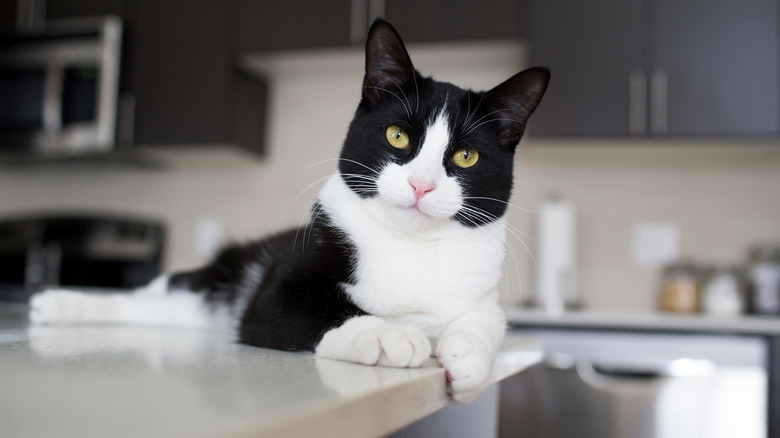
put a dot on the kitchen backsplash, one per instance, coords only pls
(722, 194)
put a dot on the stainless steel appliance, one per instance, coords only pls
(79, 251)
(59, 83)
(623, 384)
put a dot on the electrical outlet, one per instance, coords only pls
(655, 244)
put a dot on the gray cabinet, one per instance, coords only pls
(592, 48)
(658, 68)
(179, 82)
(444, 20)
(273, 25)
(277, 25)
(715, 64)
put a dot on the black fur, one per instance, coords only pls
(299, 296)
(491, 122)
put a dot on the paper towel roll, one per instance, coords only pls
(557, 266)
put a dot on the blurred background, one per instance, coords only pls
(205, 121)
(138, 136)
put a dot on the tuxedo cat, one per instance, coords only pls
(404, 249)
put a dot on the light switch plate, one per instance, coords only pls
(655, 244)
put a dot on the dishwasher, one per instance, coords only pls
(639, 385)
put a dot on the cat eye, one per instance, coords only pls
(465, 157)
(397, 137)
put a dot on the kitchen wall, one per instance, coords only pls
(722, 194)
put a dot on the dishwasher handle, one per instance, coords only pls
(614, 378)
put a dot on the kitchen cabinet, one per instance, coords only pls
(658, 67)
(179, 84)
(442, 20)
(273, 25)
(269, 25)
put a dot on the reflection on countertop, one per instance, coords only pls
(85, 381)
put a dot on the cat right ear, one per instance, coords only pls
(388, 66)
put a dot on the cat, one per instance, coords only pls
(404, 249)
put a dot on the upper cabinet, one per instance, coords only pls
(265, 25)
(278, 25)
(179, 84)
(658, 68)
(444, 20)
(715, 68)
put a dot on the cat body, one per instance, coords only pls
(404, 250)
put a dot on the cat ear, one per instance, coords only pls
(513, 101)
(388, 66)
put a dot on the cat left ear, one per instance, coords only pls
(388, 66)
(513, 102)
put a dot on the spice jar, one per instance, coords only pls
(680, 288)
(764, 280)
(722, 293)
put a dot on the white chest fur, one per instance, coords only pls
(426, 278)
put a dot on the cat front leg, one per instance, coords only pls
(372, 341)
(467, 349)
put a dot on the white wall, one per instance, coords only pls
(723, 195)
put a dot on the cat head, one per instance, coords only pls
(424, 153)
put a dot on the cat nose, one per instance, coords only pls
(421, 188)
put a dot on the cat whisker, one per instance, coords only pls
(408, 113)
(509, 204)
(408, 105)
(476, 108)
(296, 197)
(496, 120)
(477, 213)
(470, 127)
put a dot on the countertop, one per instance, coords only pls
(648, 321)
(99, 381)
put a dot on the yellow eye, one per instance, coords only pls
(466, 157)
(397, 137)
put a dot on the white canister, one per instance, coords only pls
(556, 261)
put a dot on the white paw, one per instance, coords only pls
(468, 363)
(57, 306)
(372, 341)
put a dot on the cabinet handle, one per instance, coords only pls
(358, 30)
(637, 103)
(659, 101)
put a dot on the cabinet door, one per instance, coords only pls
(439, 20)
(716, 68)
(272, 25)
(592, 49)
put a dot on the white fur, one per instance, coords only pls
(426, 279)
(153, 305)
(416, 267)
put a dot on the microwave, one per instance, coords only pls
(59, 85)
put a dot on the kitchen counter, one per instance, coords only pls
(98, 381)
(649, 321)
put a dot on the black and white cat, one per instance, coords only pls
(404, 250)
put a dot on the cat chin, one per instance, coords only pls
(407, 219)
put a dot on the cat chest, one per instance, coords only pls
(431, 280)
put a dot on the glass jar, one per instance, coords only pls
(723, 293)
(764, 280)
(680, 288)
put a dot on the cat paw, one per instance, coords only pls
(372, 341)
(468, 363)
(57, 306)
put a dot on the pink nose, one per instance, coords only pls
(421, 188)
